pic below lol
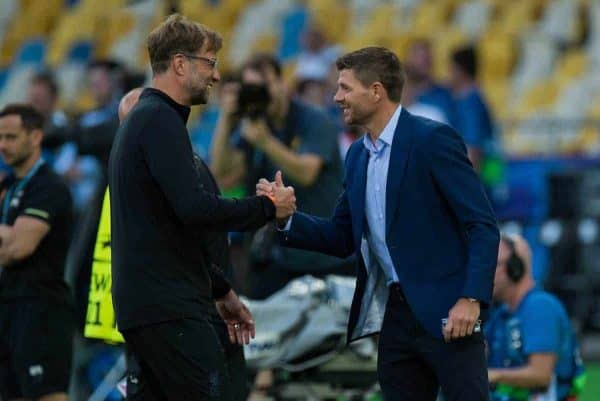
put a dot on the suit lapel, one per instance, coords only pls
(359, 192)
(397, 167)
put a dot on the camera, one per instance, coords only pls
(253, 101)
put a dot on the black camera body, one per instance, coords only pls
(253, 101)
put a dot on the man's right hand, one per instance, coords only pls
(283, 197)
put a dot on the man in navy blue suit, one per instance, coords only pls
(415, 213)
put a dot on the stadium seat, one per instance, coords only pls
(516, 16)
(8, 10)
(593, 109)
(497, 56)
(589, 139)
(70, 77)
(18, 79)
(266, 43)
(430, 17)
(255, 20)
(539, 97)
(3, 77)
(119, 24)
(472, 17)
(572, 95)
(333, 20)
(447, 41)
(129, 46)
(293, 25)
(560, 21)
(73, 27)
(32, 51)
(497, 94)
(80, 51)
(537, 57)
(572, 64)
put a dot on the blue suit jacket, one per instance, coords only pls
(440, 229)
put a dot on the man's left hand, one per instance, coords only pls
(255, 131)
(461, 319)
(237, 317)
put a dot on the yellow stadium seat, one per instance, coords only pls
(541, 97)
(194, 9)
(572, 65)
(387, 39)
(384, 16)
(447, 41)
(431, 17)
(593, 111)
(588, 139)
(515, 16)
(71, 27)
(99, 7)
(379, 30)
(43, 15)
(496, 56)
(496, 93)
(265, 43)
(333, 22)
(232, 8)
(118, 24)
(33, 20)
(401, 42)
(314, 5)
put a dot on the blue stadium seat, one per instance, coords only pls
(32, 51)
(294, 23)
(3, 77)
(80, 51)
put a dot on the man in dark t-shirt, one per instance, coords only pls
(36, 319)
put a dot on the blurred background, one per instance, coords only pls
(533, 128)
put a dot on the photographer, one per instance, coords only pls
(261, 130)
(532, 349)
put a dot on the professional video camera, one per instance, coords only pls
(253, 101)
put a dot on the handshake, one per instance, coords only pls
(283, 197)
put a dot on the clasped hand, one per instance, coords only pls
(283, 197)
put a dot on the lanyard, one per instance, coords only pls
(12, 190)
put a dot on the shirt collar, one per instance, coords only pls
(387, 135)
(182, 110)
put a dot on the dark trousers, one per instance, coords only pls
(178, 360)
(413, 365)
(235, 363)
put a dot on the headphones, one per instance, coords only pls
(515, 267)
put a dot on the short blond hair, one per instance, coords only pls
(177, 34)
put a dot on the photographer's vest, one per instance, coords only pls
(509, 336)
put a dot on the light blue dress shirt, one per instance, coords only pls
(375, 196)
